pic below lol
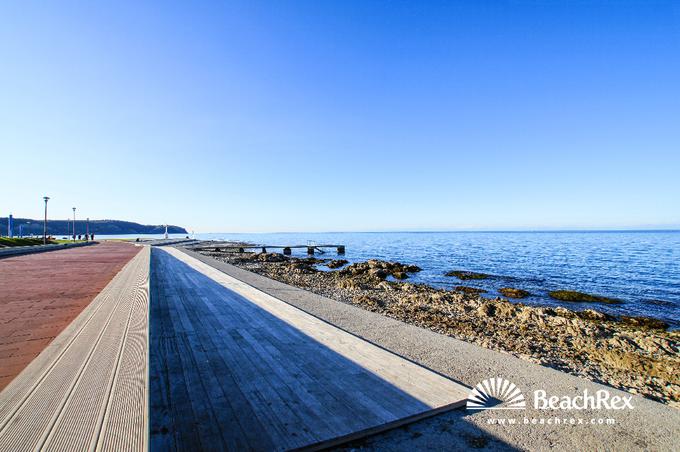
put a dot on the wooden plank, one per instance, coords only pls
(247, 378)
(185, 432)
(299, 381)
(160, 435)
(207, 427)
(227, 411)
(359, 409)
(337, 379)
(234, 409)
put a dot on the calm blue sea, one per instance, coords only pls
(641, 267)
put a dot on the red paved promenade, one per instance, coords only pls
(40, 294)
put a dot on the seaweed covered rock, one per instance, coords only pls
(511, 292)
(580, 297)
(379, 269)
(644, 322)
(411, 268)
(469, 290)
(464, 275)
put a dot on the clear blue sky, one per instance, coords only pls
(327, 116)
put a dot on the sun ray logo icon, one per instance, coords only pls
(496, 394)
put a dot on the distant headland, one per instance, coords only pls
(27, 226)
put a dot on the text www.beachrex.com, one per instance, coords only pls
(552, 421)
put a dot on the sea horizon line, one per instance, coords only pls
(445, 231)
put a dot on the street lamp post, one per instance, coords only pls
(87, 228)
(46, 198)
(74, 224)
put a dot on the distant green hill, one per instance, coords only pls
(97, 227)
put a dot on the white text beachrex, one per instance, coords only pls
(602, 399)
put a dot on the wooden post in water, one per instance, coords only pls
(264, 250)
(287, 251)
(310, 250)
(341, 249)
(240, 250)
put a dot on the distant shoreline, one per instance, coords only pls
(57, 227)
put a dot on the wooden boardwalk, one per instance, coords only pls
(88, 389)
(232, 368)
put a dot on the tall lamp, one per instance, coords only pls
(46, 198)
(74, 224)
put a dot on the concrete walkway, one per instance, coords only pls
(649, 426)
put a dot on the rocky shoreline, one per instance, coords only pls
(624, 353)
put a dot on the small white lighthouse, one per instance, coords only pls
(166, 231)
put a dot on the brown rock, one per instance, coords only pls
(336, 263)
(469, 290)
(270, 257)
(378, 273)
(371, 302)
(591, 314)
(644, 322)
(513, 293)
